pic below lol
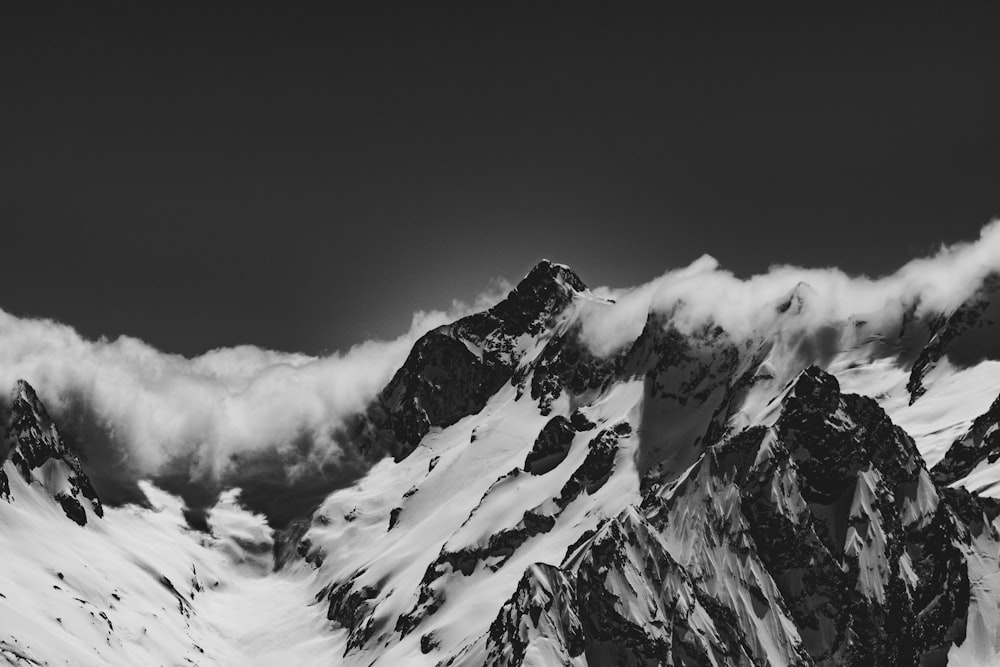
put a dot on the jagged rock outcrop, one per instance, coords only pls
(729, 508)
(453, 370)
(587, 478)
(980, 443)
(864, 548)
(965, 335)
(551, 446)
(40, 454)
(351, 606)
(544, 607)
(698, 496)
(567, 365)
(816, 539)
(783, 535)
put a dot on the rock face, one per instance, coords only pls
(966, 335)
(453, 370)
(35, 449)
(542, 609)
(699, 496)
(696, 497)
(819, 539)
(551, 446)
(981, 443)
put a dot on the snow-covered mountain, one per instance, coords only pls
(793, 489)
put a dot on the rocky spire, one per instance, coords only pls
(453, 370)
(36, 449)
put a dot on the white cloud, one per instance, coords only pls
(159, 408)
(703, 291)
(230, 404)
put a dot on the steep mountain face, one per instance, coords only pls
(453, 370)
(700, 496)
(979, 445)
(817, 539)
(966, 335)
(38, 452)
(759, 515)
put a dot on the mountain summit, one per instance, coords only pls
(785, 490)
(453, 370)
(38, 452)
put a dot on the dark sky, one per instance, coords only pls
(304, 180)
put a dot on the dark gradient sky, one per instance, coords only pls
(304, 180)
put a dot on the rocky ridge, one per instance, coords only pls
(806, 530)
(692, 498)
(40, 454)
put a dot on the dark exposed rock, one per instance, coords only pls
(822, 528)
(453, 370)
(544, 604)
(980, 443)
(183, 604)
(551, 446)
(589, 477)
(596, 469)
(428, 643)
(834, 437)
(33, 444)
(623, 600)
(351, 607)
(975, 511)
(828, 519)
(579, 421)
(966, 335)
(73, 509)
(500, 547)
(829, 449)
(567, 364)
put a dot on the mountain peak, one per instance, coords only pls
(542, 294)
(548, 272)
(24, 394)
(453, 370)
(36, 449)
(798, 299)
(816, 386)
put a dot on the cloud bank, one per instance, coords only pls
(704, 292)
(268, 421)
(210, 419)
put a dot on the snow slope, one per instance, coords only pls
(783, 495)
(139, 587)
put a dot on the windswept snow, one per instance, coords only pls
(139, 587)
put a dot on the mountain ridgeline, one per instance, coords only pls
(761, 515)
(792, 495)
(40, 454)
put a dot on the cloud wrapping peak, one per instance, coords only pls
(704, 292)
(211, 411)
(213, 417)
